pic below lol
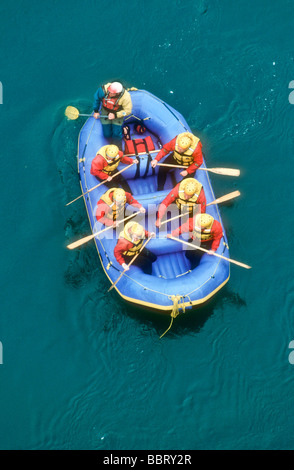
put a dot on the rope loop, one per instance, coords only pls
(177, 299)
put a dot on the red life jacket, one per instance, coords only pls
(135, 146)
(111, 104)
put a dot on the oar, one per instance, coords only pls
(73, 113)
(214, 254)
(219, 171)
(140, 153)
(133, 259)
(102, 182)
(224, 198)
(174, 218)
(84, 240)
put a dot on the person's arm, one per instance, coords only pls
(202, 201)
(167, 148)
(121, 246)
(133, 202)
(102, 210)
(170, 198)
(97, 166)
(185, 227)
(217, 233)
(98, 97)
(126, 160)
(197, 159)
(126, 103)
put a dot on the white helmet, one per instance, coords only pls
(115, 87)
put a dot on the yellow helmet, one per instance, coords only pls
(203, 220)
(190, 187)
(112, 151)
(138, 230)
(119, 195)
(184, 141)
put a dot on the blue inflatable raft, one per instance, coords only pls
(174, 280)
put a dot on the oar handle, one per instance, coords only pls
(132, 260)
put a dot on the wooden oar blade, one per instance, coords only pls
(72, 113)
(226, 197)
(225, 171)
(80, 242)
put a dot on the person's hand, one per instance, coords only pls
(142, 210)
(184, 173)
(154, 163)
(157, 223)
(136, 161)
(109, 178)
(114, 224)
(111, 116)
(168, 235)
(96, 115)
(125, 266)
(152, 235)
(211, 252)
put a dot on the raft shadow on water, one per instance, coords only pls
(190, 322)
(82, 268)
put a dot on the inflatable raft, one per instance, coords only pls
(175, 280)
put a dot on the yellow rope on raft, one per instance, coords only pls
(175, 310)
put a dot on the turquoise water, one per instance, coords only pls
(81, 369)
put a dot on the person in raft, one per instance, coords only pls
(186, 194)
(112, 103)
(130, 241)
(187, 151)
(112, 204)
(106, 162)
(204, 228)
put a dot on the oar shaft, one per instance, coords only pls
(140, 153)
(91, 115)
(171, 166)
(214, 254)
(131, 262)
(84, 240)
(224, 198)
(97, 185)
(219, 171)
(174, 218)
